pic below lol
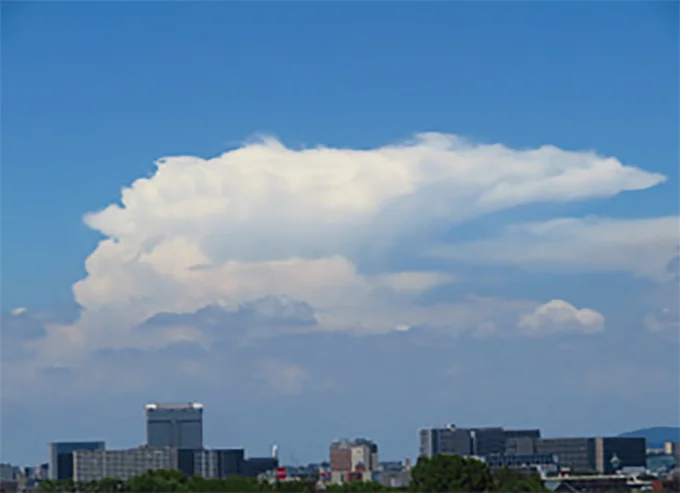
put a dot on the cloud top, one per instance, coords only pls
(265, 187)
(560, 316)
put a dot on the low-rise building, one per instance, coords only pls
(673, 449)
(590, 484)
(546, 462)
(94, 465)
(353, 455)
(479, 441)
(8, 472)
(61, 457)
(595, 454)
(395, 479)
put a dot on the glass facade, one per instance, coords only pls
(61, 457)
(177, 426)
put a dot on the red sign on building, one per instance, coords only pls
(281, 473)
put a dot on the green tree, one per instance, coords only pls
(450, 474)
(49, 486)
(160, 481)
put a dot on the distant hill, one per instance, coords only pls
(656, 436)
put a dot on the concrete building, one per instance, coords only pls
(177, 426)
(228, 462)
(619, 452)
(480, 442)
(521, 442)
(8, 472)
(449, 440)
(546, 462)
(61, 457)
(487, 441)
(341, 477)
(222, 463)
(93, 465)
(395, 479)
(575, 453)
(673, 449)
(534, 433)
(595, 454)
(520, 446)
(353, 455)
(252, 467)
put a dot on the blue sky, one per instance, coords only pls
(312, 259)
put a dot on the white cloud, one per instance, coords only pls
(16, 312)
(265, 220)
(643, 247)
(560, 316)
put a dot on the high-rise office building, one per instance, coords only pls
(487, 441)
(480, 442)
(449, 440)
(61, 457)
(178, 426)
(595, 454)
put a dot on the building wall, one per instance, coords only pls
(228, 462)
(395, 479)
(520, 446)
(375, 462)
(364, 454)
(631, 452)
(340, 459)
(488, 441)
(529, 433)
(361, 455)
(61, 457)
(450, 440)
(255, 466)
(177, 426)
(521, 442)
(477, 441)
(673, 448)
(519, 461)
(427, 442)
(7, 472)
(91, 465)
(575, 453)
(345, 455)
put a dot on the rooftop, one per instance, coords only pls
(188, 405)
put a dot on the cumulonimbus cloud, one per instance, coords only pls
(265, 220)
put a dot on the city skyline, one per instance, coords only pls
(165, 422)
(338, 218)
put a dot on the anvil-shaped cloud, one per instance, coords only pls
(265, 221)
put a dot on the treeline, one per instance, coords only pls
(441, 474)
(456, 474)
